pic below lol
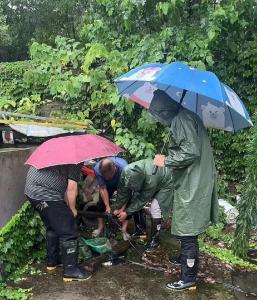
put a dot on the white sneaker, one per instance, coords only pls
(96, 233)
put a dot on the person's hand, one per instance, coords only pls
(159, 160)
(75, 212)
(117, 211)
(108, 209)
(122, 216)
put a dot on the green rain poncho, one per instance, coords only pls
(190, 156)
(138, 186)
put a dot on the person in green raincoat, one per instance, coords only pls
(138, 186)
(190, 157)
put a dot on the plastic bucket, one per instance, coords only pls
(99, 245)
(85, 252)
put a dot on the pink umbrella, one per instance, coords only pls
(72, 150)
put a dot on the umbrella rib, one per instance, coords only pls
(234, 129)
(128, 87)
(183, 96)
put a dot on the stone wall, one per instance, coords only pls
(12, 180)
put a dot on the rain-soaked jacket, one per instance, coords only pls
(195, 204)
(138, 186)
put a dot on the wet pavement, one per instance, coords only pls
(132, 282)
(121, 282)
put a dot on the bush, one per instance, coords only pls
(20, 239)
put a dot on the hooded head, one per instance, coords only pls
(163, 108)
(132, 177)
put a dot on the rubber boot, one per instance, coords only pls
(53, 251)
(155, 236)
(189, 268)
(140, 226)
(71, 270)
(189, 265)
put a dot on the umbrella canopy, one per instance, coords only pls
(72, 150)
(197, 90)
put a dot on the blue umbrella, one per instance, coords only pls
(197, 90)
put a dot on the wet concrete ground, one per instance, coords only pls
(131, 282)
(121, 282)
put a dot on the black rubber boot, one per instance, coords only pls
(155, 235)
(140, 226)
(53, 251)
(71, 270)
(189, 264)
(189, 259)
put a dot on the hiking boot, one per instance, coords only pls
(71, 270)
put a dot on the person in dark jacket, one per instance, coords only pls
(52, 193)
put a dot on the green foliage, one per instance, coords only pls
(20, 239)
(80, 72)
(13, 293)
(226, 256)
(39, 20)
(248, 204)
(11, 81)
(216, 233)
(22, 272)
(4, 32)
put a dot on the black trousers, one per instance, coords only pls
(189, 258)
(139, 219)
(57, 217)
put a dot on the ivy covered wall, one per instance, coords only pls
(21, 239)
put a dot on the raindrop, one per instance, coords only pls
(204, 81)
